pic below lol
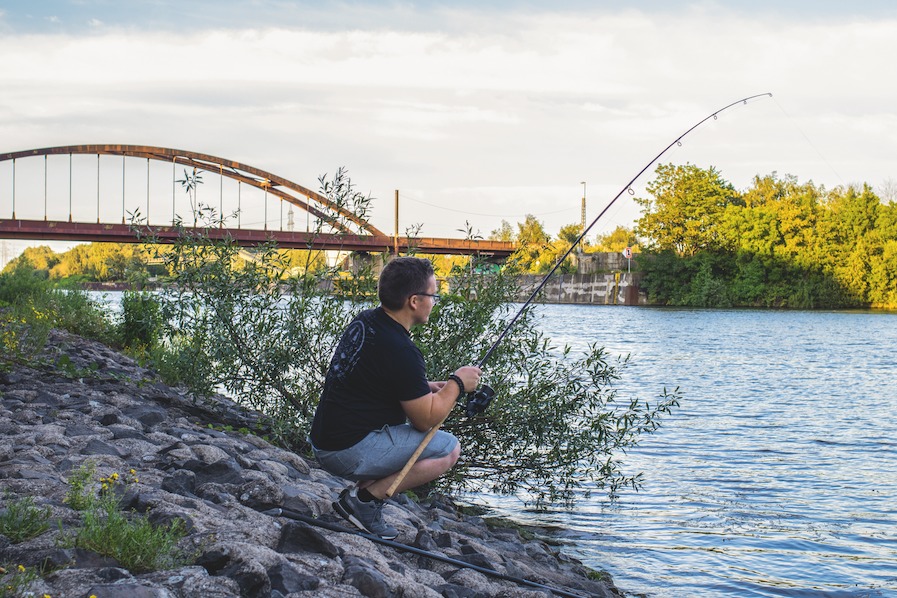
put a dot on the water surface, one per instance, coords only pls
(777, 475)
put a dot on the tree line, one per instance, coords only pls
(779, 243)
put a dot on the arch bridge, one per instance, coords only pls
(344, 230)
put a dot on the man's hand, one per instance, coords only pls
(429, 410)
(470, 375)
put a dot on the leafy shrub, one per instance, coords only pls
(556, 425)
(141, 320)
(30, 306)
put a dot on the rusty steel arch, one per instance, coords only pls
(256, 177)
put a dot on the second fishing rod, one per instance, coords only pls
(478, 401)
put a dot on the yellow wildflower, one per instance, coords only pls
(113, 477)
(21, 569)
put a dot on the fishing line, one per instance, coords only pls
(432, 205)
(295, 515)
(626, 188)
(809, 142)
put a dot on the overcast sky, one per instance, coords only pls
(474, 111)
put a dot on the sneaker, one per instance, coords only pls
(367, 516)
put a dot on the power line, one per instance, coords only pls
(411, 198)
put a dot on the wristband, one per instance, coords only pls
(457, 380)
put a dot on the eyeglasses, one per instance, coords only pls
(434, 296)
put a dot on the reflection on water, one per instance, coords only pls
(777, 476)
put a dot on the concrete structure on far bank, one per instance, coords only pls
(602, 278)
(614, 288)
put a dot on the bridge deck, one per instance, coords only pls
(51, 230)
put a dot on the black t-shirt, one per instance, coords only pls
(374, 368)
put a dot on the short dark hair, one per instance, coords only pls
(401, 278)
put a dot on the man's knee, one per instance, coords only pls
(448, 461)
(455, 454)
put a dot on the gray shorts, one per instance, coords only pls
(383, 452)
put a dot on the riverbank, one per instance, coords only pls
(196, 463)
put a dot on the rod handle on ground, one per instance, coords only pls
(413, 459)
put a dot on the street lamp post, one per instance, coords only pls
(583, 183)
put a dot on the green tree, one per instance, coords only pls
(617, 240)
(558, 247)
(532, 242)
(686, 209)
(503, 233)
(40, 259)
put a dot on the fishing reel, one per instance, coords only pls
(478, 400)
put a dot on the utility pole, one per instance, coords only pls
(583, 183)
(395, 238)
(582, 242)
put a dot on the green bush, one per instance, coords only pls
(30, 306)
(132, 540)
(141, 320)
(556, 426)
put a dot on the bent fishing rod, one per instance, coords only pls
(478, 401)
(627, 187)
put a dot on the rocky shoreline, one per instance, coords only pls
(86, 403)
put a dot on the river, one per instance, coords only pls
(777, 475)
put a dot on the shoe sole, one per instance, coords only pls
(350, 517)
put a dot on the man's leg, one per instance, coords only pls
(363, 504)
(425, 470)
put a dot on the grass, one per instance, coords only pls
(23, 520)
(14, 580)
(130, 538)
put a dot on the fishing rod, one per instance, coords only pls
(627, 187)
(478, 400)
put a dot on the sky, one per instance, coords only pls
(476, 112)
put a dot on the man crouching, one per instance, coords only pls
(377, 404)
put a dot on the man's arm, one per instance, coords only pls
(429, 410)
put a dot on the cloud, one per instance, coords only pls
(487, 110)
